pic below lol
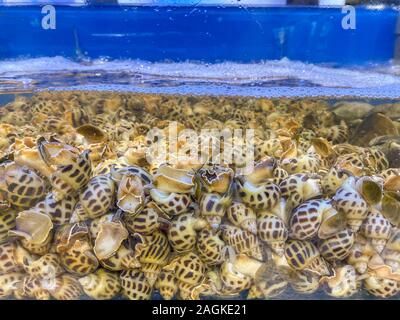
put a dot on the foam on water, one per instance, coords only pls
(269, 78)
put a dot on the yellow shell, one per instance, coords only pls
(304, 255)
(182, 233)
(274, 286)
(32, 226)
(344, 284)
(311, 216)
(124, 259)
(153, 253)
(101, 285)
(213, 208)
(23, 188)
(348, 200)
(272, 230)
(145, 222)
(169, 179)
(360, 254)
(46, 267)
(130, 194)
(233, 280)
(134, 285)
(167, 284)
(95, 200)
(243, 217)
(376, 228)
(337, 247)
(242, 241)
(381, 287)
(260, 197)
(71, 170)
(7, 222)
(111, 234)
(79, 258)
(391, 253)
(171, 203)
(64, 287)
(210, 247)
(60, 211)
(298, 188)
(9, 283)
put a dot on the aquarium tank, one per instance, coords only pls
(199, 149)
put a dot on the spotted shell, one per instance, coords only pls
(167, 284)
(32, 226)
(391, 253)
(348, 200)
(182, 233)
(169, 179)
(335, 134)
(258, 197)
(376, 228)
(272, 230)
(145, 222)
(343, 284)
(337, 247)
(39, 249)
(95, 200)
(7, 222)
(110, 236)
(307, 163)
(243, 217)
(130, 194)
(9, 283)
(32, 287)
(23, 188)
(79, 258)
(298, 188)
(360, 254)
(233, 281)
(60, 211)
(101, 285)
(64, 287)
(316, 217)
(13, 257)
(272, 287)
(242, 241)
(124, 259)
(210, 247)
(304, 282)
(172, 203)
(153, 253)
(381, 287)
(333, 180)
(46, 267)
(188, 269)
(304, 255)
(134, 285)
(213, 207)
(72, 170)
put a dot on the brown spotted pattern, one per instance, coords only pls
(242, 241)
(337, 247)
(273, 231)
(210, 247)
(134, 285)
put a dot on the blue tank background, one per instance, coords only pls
(208, 34)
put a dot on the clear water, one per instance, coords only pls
(374, 84)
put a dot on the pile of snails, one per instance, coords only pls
(84, 213)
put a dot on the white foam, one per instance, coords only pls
(227, 73)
